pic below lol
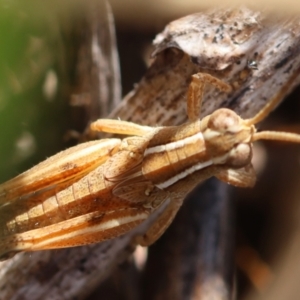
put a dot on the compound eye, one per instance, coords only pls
(240, 155)
(224, 120)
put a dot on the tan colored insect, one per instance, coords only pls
(101, 189)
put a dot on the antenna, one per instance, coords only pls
(265, 111)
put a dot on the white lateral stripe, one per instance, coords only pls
(210, 134)
(221, 159)
(174, 145)
(184, 174)
(89, 229)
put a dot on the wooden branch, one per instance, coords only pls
(257, 55)
(194, 259)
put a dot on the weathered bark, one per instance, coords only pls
(258, 56)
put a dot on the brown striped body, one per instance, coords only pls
(175, 153)
(102, 189)
(103, 199)
(69, 211)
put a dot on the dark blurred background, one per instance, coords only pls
(36, 71)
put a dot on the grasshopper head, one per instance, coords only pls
(228, 138)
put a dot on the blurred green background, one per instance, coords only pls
(33, 100)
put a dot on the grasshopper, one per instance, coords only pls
(102, 189)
